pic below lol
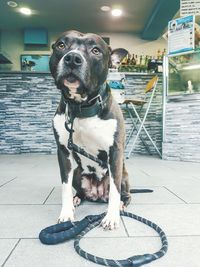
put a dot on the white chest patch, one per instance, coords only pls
(59, 125)
(92, 134)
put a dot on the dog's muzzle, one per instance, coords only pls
(73, 60)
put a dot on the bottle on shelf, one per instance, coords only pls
(133, 60)
(158, 55)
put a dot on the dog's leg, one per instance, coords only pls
(125, 188)
(66, 170)
(112, 217)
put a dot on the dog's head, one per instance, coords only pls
(79, 64)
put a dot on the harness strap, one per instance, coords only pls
(73, 147)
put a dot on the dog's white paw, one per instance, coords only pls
(67, 214)
(111, 221)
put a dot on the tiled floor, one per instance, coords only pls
(30, 199)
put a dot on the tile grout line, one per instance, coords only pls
(48, 196)
(8, 182)
(11, 253)
(142, 171)
(102, 237)
(125, 227)
(175, 194)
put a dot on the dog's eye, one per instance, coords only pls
(96, 51)
(61, 46)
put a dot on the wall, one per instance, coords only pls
(182, 129)
(28, 103)
(134, 44)
(12, 43)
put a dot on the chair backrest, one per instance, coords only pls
(151, 84)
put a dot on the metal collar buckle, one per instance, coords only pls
(99, 99)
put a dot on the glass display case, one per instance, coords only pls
(182, 74)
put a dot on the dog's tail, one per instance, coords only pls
(135, 191)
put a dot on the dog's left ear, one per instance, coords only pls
(53, 46)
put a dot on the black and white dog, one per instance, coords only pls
(79, 64)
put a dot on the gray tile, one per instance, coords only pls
(23, 192)
(5, 180)
(32, 253)
(189, 193)
(56, 196)
(6, 246)
(178, 219)
(31, 219)
(34, 167)
(84, 210)
(163, 180)
(26, 221)
(160, 195)
(156, 167)
(182, 252)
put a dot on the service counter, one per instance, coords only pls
(181, 109)
(28, 101)
(181, 123)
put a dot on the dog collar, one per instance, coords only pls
(93, 107)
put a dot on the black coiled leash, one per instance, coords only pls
(65, 231)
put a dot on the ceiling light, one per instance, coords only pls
(12, 4)
(25, 11)
(116, 12)
(105, 8)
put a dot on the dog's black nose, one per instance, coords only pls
(73, 59)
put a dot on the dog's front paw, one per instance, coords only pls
(66, 215)
(111, 220)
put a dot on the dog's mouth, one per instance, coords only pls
(75, 88)
(72, 83)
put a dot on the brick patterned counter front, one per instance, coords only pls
(28, 102)
(27, 106)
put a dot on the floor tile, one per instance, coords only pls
(162, 180)
(175, 220)
(160, 195)
(189, 193)
(182, 252)
(31, 253)
(23, 192)
(26, 221)
(31, 219)
(6, 246)
(5, 180)
(32, 202)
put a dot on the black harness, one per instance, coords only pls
(64, 231)
(98, 103)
